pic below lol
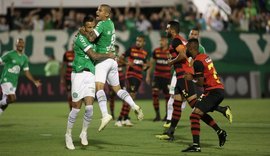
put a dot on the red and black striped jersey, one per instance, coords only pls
(138, 57)
(180, 67)
(121, 70)
(162, 69)
(203, 66)
(67, 60)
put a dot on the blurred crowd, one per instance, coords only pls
(246, 15)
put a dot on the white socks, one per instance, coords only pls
(102, 101)
(87, 117)
(124, 95)
(170, 108)
(3, 101)
(71, 119)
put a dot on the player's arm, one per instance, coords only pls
(198, 72)
(181, 50)
(91, 36)
(62, 70)
(31, 78)
(149, 71)
(97, 56)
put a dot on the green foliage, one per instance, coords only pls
(39, 128)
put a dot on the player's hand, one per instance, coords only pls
(111, 55)
(188, 76)
(170, 62)
(37, 83)
(82, 31)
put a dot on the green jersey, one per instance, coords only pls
(106, 36)
(201, 49)
(81, 60)
(13, 63)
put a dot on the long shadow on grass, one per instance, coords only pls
(7, 125)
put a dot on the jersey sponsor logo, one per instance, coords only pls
(135, 61)
(162, 61)
(15, 70)
(208, 60)
(82, 40)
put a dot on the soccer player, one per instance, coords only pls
(106, 70)
(205, 75)
(65, 77)
(194, 33)
(162, 74)
(83, 82)
(137, 63)
(14, 61)
(121, 70)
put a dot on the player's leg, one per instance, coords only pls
(101, 73)
(111, 101)
(165, 88)
(170, 102)
(113, 80)
(155, 97)
(89, 96)
(8, 96)
(77, 95)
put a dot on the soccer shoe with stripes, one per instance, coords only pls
(222, 137)
(83, 137)
(69, 142)
(193, 148)
(138, 112)
(127, 123)
(228, 114)
(104, 122)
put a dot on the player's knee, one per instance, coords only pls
(197, 111)
(155, 92)
(11, 99)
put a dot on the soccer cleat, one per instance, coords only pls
(222, 137)
(138, 112)
(167, 124)
(118, 123)
(69, 142)
(83, 137)
(127, 123)
(193, 148)
(228, 114)
(157, 118)
(104, 121)
(165, 136)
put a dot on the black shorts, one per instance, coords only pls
(185, 87)
(210, 100)
(161, 84)
(133, 84)
(68, 85)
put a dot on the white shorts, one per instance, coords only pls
(8, 88)
(172, 85)
(107, 71)
(82, 85)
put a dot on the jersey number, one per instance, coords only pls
(211, 66)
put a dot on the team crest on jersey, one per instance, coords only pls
(74, 95)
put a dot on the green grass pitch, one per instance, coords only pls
(37, 129)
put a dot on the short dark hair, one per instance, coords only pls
(194, 42)
(196, 29)
(89, 18)
(175, 26)
(141, 36)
